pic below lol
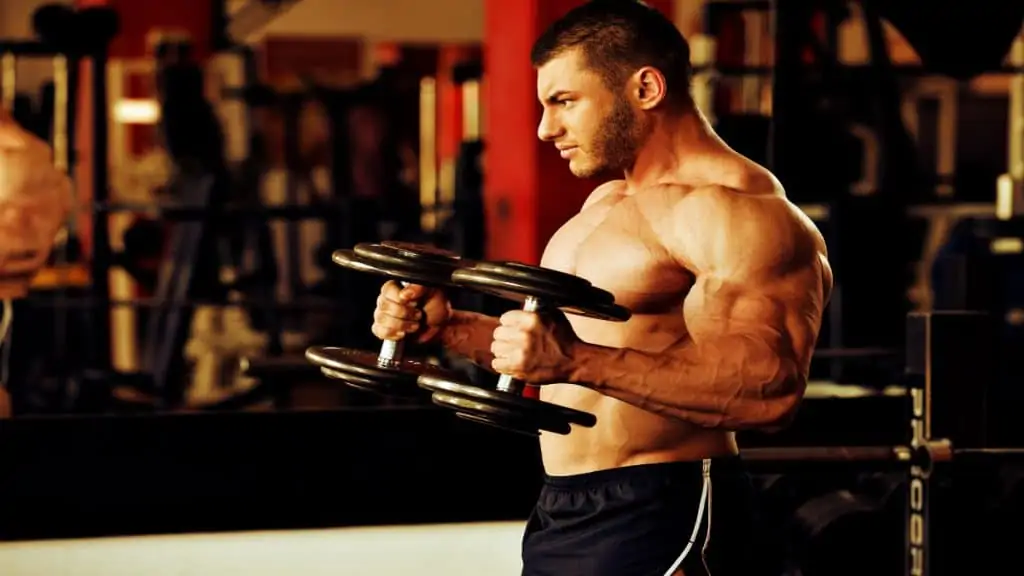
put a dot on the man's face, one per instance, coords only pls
(596, 128)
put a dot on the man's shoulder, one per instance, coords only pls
(730, 215)
(603, 191)
(713, 200)
(733, 186)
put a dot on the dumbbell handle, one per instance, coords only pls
(507, 383)
(390, 350)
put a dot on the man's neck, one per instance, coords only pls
(675, 140)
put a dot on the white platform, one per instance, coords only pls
(442, 550)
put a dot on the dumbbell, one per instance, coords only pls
(386, 372)
(537, 289)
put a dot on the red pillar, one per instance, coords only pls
(528, 191)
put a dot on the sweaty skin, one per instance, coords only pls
(726, 289)
(726, 279)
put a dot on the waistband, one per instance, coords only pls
(688, 468)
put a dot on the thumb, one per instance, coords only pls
(412, 292)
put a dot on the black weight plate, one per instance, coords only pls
(609, 311)
(361, 362)
(501, 416)
(415, 272)
(538, 274)
(522, 406)
(477, 412)
(378, 387)
(504, 414)
(404, 253)
(364, 366)
(500, 424)
(591, 302)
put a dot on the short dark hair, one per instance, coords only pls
(616, 37)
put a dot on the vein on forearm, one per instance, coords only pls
(470, 334)
(735, 381)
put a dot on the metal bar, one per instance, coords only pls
(101, 251)
(61, 128)
(997, 453)
(29, 49)
(37, 301)
(318, 211)
(428, 154)
(1010, 186)
(828, 454)
(60, 136)
(870, 454)
(907, 70)
(1015, 146)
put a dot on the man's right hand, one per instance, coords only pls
(414, 310)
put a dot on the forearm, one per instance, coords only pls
(734, 384)
(470, 334)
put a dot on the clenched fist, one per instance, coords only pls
(410, 311)
(535, 348)
(34, 199)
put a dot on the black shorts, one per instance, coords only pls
(646, 520)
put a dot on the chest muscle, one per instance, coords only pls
(615, 248)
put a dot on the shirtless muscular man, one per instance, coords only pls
(34, 199)
(726, 279)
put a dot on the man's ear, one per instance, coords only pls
(649, 87)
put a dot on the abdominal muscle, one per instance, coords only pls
(624, 435)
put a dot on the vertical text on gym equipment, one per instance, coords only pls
(916, 537)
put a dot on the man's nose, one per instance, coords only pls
(548, 129)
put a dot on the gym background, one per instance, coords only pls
(162, 418)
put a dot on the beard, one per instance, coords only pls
(617, 139)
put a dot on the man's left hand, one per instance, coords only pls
(534, 348)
